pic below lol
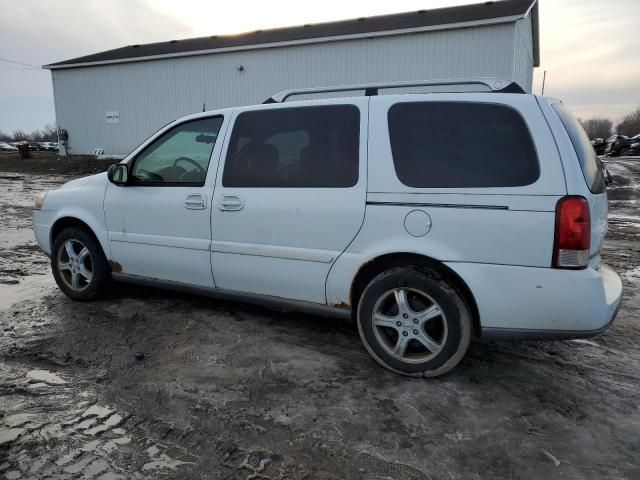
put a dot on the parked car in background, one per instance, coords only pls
(618, 145)
(5, 147)
(48, 146)
(599, 145)
(345, 206)
(634, 148)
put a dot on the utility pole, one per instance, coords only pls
(544, 78)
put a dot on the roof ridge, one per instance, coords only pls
(374, 25)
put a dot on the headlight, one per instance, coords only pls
(40, 200)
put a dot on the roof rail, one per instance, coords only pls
(494, 84)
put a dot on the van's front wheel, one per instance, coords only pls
(79, 265)
(414, 323)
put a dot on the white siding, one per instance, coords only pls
(150, 94)
(523, 54)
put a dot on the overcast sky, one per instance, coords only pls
(588, 47)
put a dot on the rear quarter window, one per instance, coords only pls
(461, 145)
(589, 161)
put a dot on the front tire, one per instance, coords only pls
(414, 323)
(79, 266)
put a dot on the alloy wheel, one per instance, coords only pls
(75, 265)
(410, 325)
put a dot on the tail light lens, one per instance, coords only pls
(573, 233)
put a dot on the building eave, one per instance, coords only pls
(309, 41)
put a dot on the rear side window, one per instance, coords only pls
(589, 161)
(294, 147)
(461, 145)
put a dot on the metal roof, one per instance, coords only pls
(460, 16)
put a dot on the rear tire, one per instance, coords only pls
(414, 323)
(79, 265)
(624, 152)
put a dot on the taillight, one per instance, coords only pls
(573, 233)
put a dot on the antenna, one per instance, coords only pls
(203, 106)
(544, 78)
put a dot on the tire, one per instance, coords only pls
(624, 152)
(416, 324)
(86, 276)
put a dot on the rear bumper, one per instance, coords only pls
(522, 334)
(524, 303)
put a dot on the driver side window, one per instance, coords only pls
(178, 157)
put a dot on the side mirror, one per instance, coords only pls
(118, 174)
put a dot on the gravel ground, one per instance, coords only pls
(232, 391)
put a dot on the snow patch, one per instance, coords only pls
(45, 376)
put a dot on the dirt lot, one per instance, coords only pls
(237, 392)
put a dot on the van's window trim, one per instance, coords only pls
(159, 133)
(474, 102)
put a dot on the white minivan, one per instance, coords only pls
(430, 218)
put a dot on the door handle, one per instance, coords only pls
(196, 202)
(231, 203)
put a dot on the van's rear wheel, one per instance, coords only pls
(79, 265)
(413, 323)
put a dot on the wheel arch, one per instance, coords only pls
(67, 221)
(379, 264)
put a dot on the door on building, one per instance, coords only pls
(290, 197)
(159, 223)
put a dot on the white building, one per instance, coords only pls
(114, 100)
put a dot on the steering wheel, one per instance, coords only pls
(192, 162)
(152, 176)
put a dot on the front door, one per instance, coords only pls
(290, 198)
(159, 223)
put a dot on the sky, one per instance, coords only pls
(589, 48)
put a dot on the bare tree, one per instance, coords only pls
(49, 133)
(19, 136)
(630, 124)
(598, 127)
(36, 136)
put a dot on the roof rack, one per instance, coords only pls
(494, 84)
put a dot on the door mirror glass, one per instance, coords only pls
(118, 174)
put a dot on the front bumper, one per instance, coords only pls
(42, 229)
